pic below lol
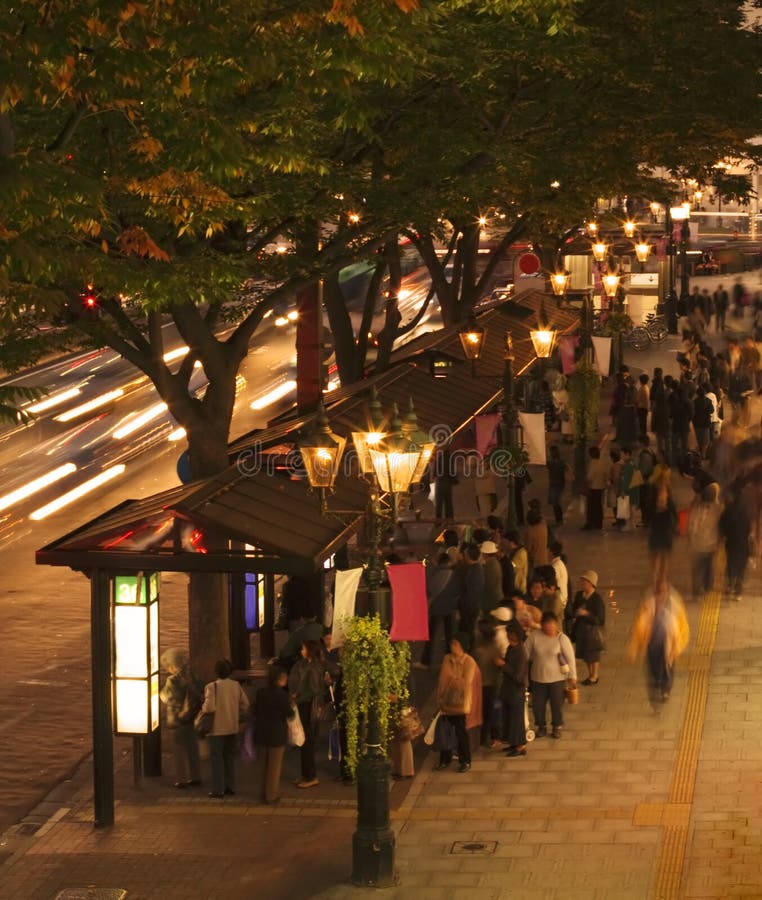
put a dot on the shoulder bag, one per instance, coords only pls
(204, 721)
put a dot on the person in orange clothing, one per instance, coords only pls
(459, 696)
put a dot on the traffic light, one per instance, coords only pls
(89, 306)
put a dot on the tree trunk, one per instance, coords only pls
(392, 316)
(341, 327)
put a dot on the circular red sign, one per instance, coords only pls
(529, 263)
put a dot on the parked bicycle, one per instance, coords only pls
(652, 331)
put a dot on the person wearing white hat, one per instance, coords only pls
(589, 612)
(493, 577)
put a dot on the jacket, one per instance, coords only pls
(306, 680)
(542, 650)
(272, 709)
(226, 699)
(515, 673)
(493, 584)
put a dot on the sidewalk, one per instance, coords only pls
(629, 804)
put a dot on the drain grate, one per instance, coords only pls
(474, 848)
(91, 893)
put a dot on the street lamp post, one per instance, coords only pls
(669, 307)
(509, 425)
(395, 458)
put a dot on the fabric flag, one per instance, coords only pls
(534, 437)
(410, 611)
(567, 344)
(344, 594)
(486, 433)
(602, 347)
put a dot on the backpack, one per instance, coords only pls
(192, 702)
(646, 463)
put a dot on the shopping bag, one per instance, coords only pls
(334, 742)
(248, 747)
(428, 738)
(295, 729)
(623, 507)
(444, 737)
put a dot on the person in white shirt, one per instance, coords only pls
(562, 573)
(552, 664)
(226, 699)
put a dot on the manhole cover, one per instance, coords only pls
(91, 893)
(474, 848)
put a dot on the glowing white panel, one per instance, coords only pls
(130, 638)
(132, 706)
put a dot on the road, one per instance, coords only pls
(44, 614)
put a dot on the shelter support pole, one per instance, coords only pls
(267, 633)
(103, 738)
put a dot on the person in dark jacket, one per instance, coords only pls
(182, 693)
(515, 667)
(661, 531)
(680, 424)
(470, 601)
(556, 482)
(660, 421)
(443, 589)
(306, 681)
(735, 530)
(702, 420)
(272, 710)
(589, 614)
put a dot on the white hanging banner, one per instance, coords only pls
(344, 595)
(534, 437)
(602, 347)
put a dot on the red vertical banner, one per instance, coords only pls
(567, 344)
(410, 611)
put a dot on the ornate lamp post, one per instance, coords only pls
(509, 425)
(543, 336)
(682, 214)
(395, 459)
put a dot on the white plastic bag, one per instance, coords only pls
(295, 729)
(428, 738)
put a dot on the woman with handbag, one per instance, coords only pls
(551, 657)
(226, 700)
(589, 618)
(306, 684)
(455, 695)
(272, 710)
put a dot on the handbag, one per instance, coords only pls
(192, 703)
(410, 726)
(295, 729)
(563, 662)
(428, 738)
(594, 639)
(204, 721)
(623, 507)
(444, 736)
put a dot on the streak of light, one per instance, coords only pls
(332, 385)
(55, 400)
(177, 435)
(275, 394)
(85, 408)
(138, 421)
(37, 484)
(80, 491)
(175, 354)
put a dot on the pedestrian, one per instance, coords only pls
(458, 679)
(595, 485)
(736, 532)
(660, 422)
(660, 634)
(493, 577)
(704, 535)
(486, 487)
(519, 559)
(183, 696)
(443, 590)
(514, 666)
(661, 531)
(680, 422)
(551, 657)
(472, 596)
(557, 470)
(536, 539)
(558, 563)
(486, 651)
(227, 700)
(589, 620)
(702, 421)
(721, 302)
(272, 710)
(642, 405)
(306, 684)
(627, 491)
(551, 595)
(646, 465)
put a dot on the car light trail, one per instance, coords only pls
(80, 491)
(37, 485)
(55, 400)
(177, 435)
(153, 412)
(275, 394)
(175, 354)
(85, 408)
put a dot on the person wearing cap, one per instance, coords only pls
(589, 618)
(501, 616)
(493, 577)
(183, 695)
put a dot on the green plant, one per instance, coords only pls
(617, 323)
(584, 387)
(375, 679)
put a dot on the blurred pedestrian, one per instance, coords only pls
(443, 590)
(642, 404)
(596, 478)
(486, 651)
(183, 696)
(661, 531)
(519, 559)
(226, 699)
(536, 539)
(272, 710)
(736, 532)
(704, 535)
(557, 470)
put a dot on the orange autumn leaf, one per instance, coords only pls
(136, 241)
